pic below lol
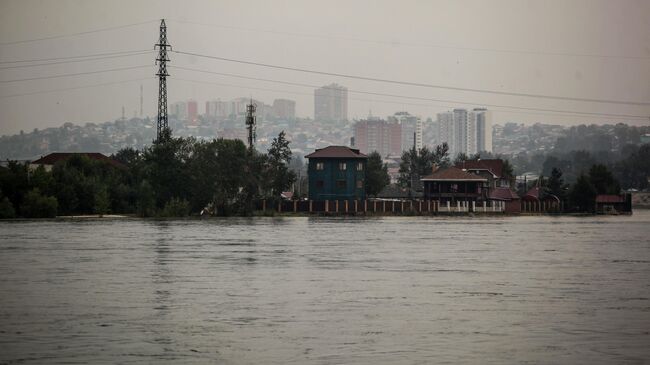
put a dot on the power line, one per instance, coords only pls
(412, 44)
(416, 97)
(75, 61)
(553, 113)
(74, 88)
(73, 57)
(75, 34)
(407, 83)
(76, 74)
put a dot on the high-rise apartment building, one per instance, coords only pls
(411, 126)
(483, 130)
(284, 109)
(465, 132)
(331, 103)
(375, 134)
(192, 112)
(218, 109)
(179, 110)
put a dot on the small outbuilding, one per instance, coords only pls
(614, 204)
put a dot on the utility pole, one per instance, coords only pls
(250, 124)
(162, 125)
(413, 168)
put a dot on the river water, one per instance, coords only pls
(392, 290)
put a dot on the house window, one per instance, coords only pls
(320, 166)
(341, 184)
(360, 166)
(320, 183)
(359, 184)
(343, 166)
(453, 188)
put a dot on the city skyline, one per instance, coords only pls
(579, 57)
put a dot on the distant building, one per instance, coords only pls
(284, 109)
(217, 109)
(460, 132)
(645, 138)
(466, 132)
(179, 110)
(331, 103)
(483, 120)
(262, 111)
(192, 112)
(411, 127)
(337, 173)
(375, 134)
(446, 134)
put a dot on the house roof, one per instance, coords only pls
(55, 157)
(452, 174)
(603, 198)
(495, 166)
(503, 194)
(336, 152)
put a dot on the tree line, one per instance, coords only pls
(180, 176)
(170, 178)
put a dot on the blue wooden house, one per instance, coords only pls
(337, 173)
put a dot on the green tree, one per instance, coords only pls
(176, 207)
(232, 165)
(603, 180)
(460, 158)
(441, 155)
(416, 164)
(279, 157)
(166, 168)
(583, 194)
(102, 201)
(37, 205)
(555, 184)
(376, 174)
(146, 202)
(6, 208)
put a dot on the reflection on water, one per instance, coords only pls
(327, 290)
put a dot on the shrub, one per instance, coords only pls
(37, 205)
(6, 209)
(176, 207)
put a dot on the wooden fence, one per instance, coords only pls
(378, 206)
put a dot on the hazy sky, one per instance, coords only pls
(578, 49)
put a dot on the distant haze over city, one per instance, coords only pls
(520, 59)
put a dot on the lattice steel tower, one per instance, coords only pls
(162, 126)
(250, 124)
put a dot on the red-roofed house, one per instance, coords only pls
(491, 169)
(453, 184)
(50, 160)
(498, 185)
